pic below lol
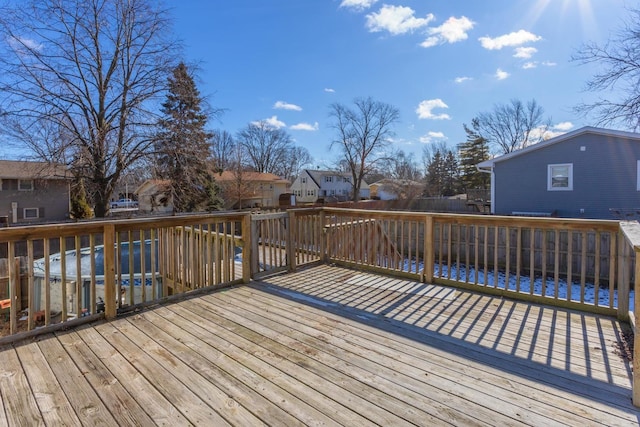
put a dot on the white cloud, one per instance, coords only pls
(462, 79)
(396, 20)
(525, 52)
(451, 31)
(23, 45)
(501, 74)
(305, 126)
(426, 107)
(357, 5)
(512, 39)
(549, 64)
(329, 90)
(551, 132)
(563, 126)
(432, 136)
(281, 105)
(272, 121)
(529, 65)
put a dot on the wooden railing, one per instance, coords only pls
(568, 263)
(63, 274)
(67, 273)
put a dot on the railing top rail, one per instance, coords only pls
(457, 218)
(271, 215)
(90, 227)
(375, 213)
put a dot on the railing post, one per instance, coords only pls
(14, 286)
(110, 303)
(429, 242)
(291, 241)
(636, 335)
(323, 238)
(254, 251)
(624, 269)
(247, 248)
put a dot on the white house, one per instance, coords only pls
(312, 185)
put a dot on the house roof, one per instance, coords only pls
(488, 164)
(317, 175)
(19, 169)
(249, 176)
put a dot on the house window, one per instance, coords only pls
(25, 184)
(311, 192)
(345, 179)
(30, 213)
(303, 180)
(560, 177)
(328, 179)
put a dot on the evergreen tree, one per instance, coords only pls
(451, 176)
(435, 175)
(80, 208)
(442, 178)
(182, 147)
(471, 152)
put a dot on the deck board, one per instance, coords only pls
(325, 346)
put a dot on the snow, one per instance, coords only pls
(565, 291)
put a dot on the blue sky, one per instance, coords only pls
(439, 62)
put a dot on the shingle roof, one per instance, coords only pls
(18, 169)
(249, 176)
(583, 130)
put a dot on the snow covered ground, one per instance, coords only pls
(540, 287)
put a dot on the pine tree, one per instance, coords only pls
(435, 175)
(182, 147)
(471, 152)
(451, 175)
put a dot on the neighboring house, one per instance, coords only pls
(251, 189)
(312, 185)
(394, 189)
(33, 192)
(586, 173)
(153, 197)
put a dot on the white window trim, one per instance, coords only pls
(570, 182)
(24, 213)
(20, 181)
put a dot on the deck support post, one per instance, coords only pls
(291, 244)
(429, 242)
(324, 256)
(247, 247)
(624, 277)
(110, 302)
(636, 335)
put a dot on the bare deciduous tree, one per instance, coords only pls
(296, 159)
(222, 149)
(363, 134)
(87, 69)
(265, 146)
(619, 60)
(512, 126)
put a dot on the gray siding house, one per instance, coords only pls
(33, 192)
(587, 173)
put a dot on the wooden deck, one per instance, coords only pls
(325, 346)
